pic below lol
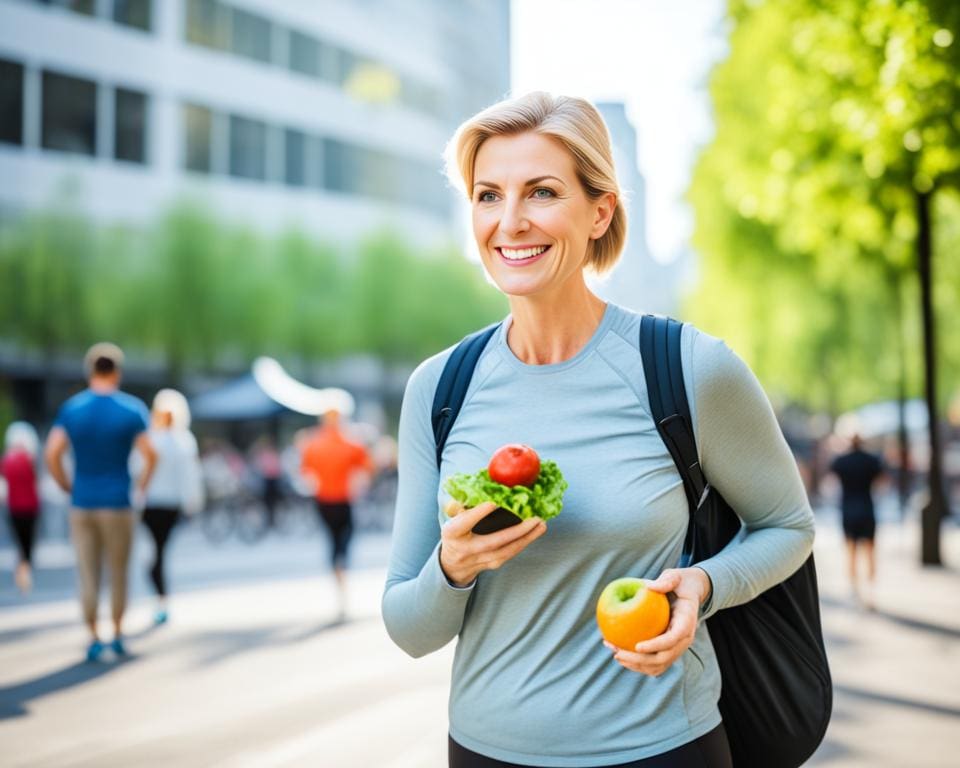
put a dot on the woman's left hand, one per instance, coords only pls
(691, 588)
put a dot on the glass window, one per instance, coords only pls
(133, 13)
(248, 148)
(333, 62)
(251, 35)
(69, 114)
(86, 7)
(346, 62)
(208, 24)
(337, 161)
(11, 102)
(304, 54)
(296, 158)
(198, 132)
(130, 116)
(315, 160)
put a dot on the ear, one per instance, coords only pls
(604, 208)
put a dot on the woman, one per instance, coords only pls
(176, 485)
(18, 468)
(533, 683)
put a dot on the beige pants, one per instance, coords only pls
(99, 532)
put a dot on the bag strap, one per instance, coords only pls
(454, 382)
(663, 371)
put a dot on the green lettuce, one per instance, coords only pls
(544, 499)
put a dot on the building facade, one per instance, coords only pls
(638, 282)
(330, 115)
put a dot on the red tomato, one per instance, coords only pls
(514, 464)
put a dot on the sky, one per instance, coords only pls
(653, 55)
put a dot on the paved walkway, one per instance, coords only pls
(259, 675)
(896, 670)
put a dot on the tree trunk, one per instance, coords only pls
(935, 510)
(903, 477)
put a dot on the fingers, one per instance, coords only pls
(467, 518)
(653, 664)
(499, 556)
(667, 581)
(680, 630)
(654, 656)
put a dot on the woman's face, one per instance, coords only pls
(531, 217)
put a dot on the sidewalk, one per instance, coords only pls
(896, 670)
(256, 673)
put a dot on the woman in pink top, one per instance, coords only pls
(23, 501)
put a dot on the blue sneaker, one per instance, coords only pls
(118, 647)
(94, 650)
(160, 617)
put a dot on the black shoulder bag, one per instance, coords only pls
(776, 694)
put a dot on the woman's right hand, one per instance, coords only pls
(464, 554)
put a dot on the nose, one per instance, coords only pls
(514, 219)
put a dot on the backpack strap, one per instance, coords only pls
(454, 382)
(663, 371)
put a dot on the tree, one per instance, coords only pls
(836, 131)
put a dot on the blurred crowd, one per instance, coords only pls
(109, 464)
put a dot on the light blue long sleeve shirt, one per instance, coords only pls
(532, 683)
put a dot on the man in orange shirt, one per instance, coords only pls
(330, 462)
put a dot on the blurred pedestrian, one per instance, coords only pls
(102, 425)
(266, 462)
(21, 446)
(176, 487)
(331, 463)
(857, 471)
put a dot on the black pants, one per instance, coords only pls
(160, 521)
(271, 496)
(709, 751)
(338, 518)
(24, 527)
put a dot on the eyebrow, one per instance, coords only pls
(528, 183)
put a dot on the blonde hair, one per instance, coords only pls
(572, 121)
(22, 436)
(173, 402)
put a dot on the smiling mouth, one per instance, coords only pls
(521, 256)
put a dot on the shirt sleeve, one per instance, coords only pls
(422, 611)
(746, 458)
(141, 419)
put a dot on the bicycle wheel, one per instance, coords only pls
(216, 521)
(251, 519)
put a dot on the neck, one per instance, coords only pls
(103, 386)
(548, 329)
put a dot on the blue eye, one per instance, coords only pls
(548, 193)
(486, 197)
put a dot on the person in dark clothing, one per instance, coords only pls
(857, 470)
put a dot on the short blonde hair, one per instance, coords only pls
(572, 121)
(173, 402)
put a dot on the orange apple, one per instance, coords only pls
(628, 612)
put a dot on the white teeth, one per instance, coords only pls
(523, 253)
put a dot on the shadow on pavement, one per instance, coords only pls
(219, 646)
(21, 633)
(897, 701)
(14, 698)
(951, 633)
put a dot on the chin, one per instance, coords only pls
(519, 287)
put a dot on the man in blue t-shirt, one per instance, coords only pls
(102, 425)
